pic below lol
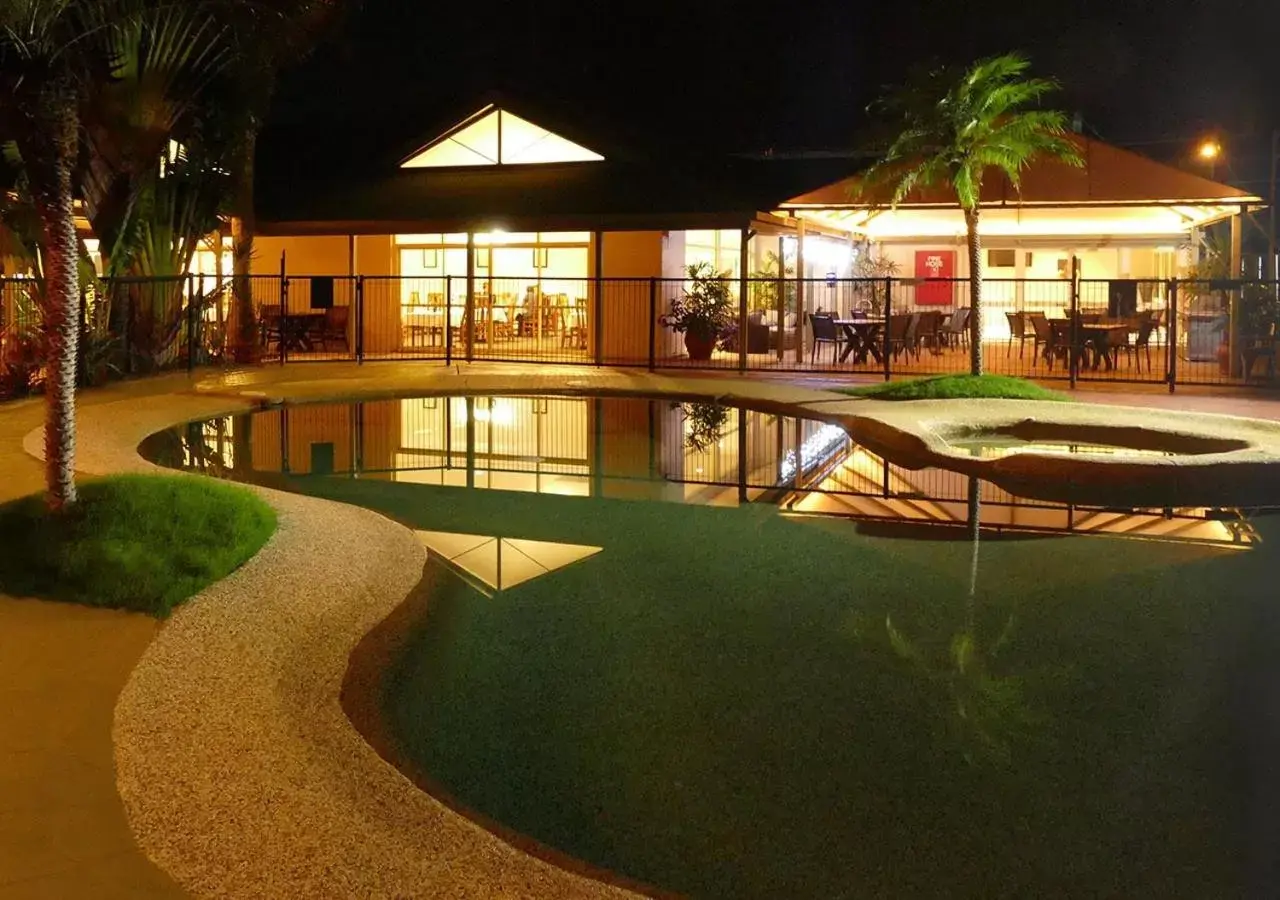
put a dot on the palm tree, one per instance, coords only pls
(42, 67)
(110, 81)
(954, 128)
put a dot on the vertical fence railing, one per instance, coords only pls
(1078, 330)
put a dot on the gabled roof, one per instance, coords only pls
(633, 186)
(494, 136)
(1110, 176)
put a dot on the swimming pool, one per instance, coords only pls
(738, 694)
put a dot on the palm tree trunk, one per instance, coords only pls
(975, 537)
(50, 152)
(975, 290)
(243, 225)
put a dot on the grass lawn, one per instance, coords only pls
(957, 387)
(138, 542)
(716, 705)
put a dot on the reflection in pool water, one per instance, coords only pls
(737, 697)
(996, 446)
(635, 448)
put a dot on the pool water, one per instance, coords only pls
(741, 696)
(997, 446)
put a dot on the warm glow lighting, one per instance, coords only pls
(816, 449)
(494, 137)
(1210, 150)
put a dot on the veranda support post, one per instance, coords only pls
(1073, 327)
(359, 326)
(448, 319)
(284, 308)
(743, 242)
(597, 320)
(1171, 334)
(653, 322)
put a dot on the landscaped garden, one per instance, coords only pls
(144, 543)
(957, 387)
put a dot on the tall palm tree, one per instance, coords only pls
(956, 127)
(110, 82)
(42, 68)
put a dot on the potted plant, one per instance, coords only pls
(704, 423)
(872, 272)
(1259, 322)
(703, 311)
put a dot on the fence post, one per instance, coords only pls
(597, 325)
(1171, 333)
(742, 323)
(128, 328)
(1073, 350)
(82, 368)
(448, 319)
(653, 321)
(359, 325)
(284, 311)
(884, 335)
(192, 316)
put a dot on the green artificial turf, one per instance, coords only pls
(138, 542)
(735, 703)
(956, 387)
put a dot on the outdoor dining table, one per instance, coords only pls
(861, 337)
(1104, 337)
(296, 328)
(1101, 337)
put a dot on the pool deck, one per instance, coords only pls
(63, 827)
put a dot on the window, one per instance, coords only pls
(495, 137)
(722, 249)
(1002, 259)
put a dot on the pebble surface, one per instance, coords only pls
(240, 773)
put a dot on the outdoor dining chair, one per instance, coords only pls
(824, 331)
(1141, 345)
(1018, 332)
(929, 332)
(1053, 336)
(333, 327)
(902, 332)
(956, 330)
(269, 324)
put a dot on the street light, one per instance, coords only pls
(1208, 152)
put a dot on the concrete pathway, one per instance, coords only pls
(63, 831)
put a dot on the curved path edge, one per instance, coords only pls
(240, 773)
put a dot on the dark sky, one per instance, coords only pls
(708, 75)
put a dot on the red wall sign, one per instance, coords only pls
(934, 264)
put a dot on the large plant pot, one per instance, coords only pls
(698, 345)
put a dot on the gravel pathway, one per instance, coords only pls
(240, 773)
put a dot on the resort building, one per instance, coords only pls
(549, 239)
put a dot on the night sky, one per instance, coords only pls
(705, 76)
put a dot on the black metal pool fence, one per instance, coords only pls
(1076, 330)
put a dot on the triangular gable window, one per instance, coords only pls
(495, 137)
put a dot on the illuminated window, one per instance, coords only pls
(494, 137)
